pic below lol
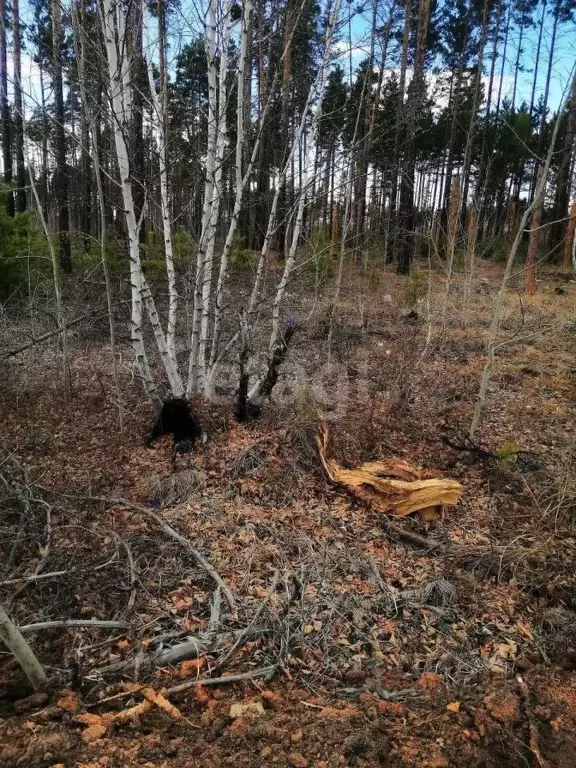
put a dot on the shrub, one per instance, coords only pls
(415, 288)
(24, 255)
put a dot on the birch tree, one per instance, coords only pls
(113, 24)
(160, 108)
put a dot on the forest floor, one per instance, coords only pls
(384, 654)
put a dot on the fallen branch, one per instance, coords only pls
(173, 533)
(18, 646)
(534, 739)
(468, 445)
(50, 334)
(244, 633)
(53, 574)
(193, 648)
(66, 623)
(265, 673)
(397, 531)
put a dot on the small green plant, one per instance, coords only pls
(24, 257)
(317, 260)
(240, 257)
(507, 454)
(415, 287)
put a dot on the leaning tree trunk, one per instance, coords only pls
(277, 344)
(22, 652)
(502, 293)
(563, 180)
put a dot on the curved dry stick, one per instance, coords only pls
(263, 672)
(245, 632)
(173, 533)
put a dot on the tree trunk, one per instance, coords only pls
(415, 101)
(534, 243)
(119, 69)
(60, 174)
(569, 239)
(86, 179)
(563, 179)
(160, 111)
(5, 113)
(502, 293)
(18, 111)
(138, 84)
(89, 120)
(400, 120)
(546, 95)
(467, 163)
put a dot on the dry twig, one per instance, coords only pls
(173, 533)
(534, 739)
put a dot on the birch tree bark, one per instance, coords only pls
(5, 112)
(114, 31)
(316, 91)
(212, 130)
(217, 194)
(18, 112)
(160, 107)
(60, 178)
(18, 646)
(241, 183)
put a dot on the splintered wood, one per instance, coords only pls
(392, 486)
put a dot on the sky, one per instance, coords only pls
(563, 63)
(186, 23)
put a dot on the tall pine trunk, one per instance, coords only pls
(416, 96)
(560, 226)
(60, 174)
(18, 111)
(5, 112)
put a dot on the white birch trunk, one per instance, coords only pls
(80, 53)
(210, 46)
(216, 201)
(314, 98)
(113, 28)
(241, 182)
(159, 104)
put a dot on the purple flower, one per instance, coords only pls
(291, 321)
